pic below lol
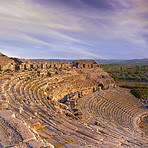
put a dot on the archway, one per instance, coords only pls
(83, 65)
(25, 67)
(31, 65)
(101, 85)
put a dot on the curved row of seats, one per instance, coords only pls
(113, 111)
(28, 94)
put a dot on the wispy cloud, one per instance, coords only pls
(106, 26)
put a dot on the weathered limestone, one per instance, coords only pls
(85, 64)
(12, 130)
(3, 104)
(14, 133)
(7, 114)
(66, 105)
(15, 64)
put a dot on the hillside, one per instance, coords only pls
(130, 62)
(102, 61)
(5, 59)
(135, 61)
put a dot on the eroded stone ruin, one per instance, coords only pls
(57, 104)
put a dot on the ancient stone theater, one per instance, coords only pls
(62, 104)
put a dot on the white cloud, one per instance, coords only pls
(60, 26)
(22, 16)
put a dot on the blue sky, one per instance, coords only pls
(74, 29)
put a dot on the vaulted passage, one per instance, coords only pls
(31, 65)
(17, 67)
(83, 65)
(41, 66)
(77, 65)
(25, 68)
(101, 86)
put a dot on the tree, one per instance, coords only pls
(49, 74)
(121, 69)
(140, 92)
(115, 77)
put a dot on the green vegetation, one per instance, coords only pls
(115, 77)
(48, 74)
(98, 124)
(42, 128)
(63, 144)
(43, 101)
(28, 78)
(130, 73)
(46, 138)
(19, 100)
(136, 73)
(138, 91)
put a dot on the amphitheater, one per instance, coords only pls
(55, 104)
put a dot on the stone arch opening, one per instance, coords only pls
(31, 65)
(101, 85)
(25, 67)
(83, 65)
(37, 66)
(92, 66)
(17, 67)
(41, 66)
(77, 65)
(79, 95)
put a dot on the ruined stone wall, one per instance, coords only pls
(32, 65)
(15, 64)
(85, 81)
(6, 63)
(85, 64)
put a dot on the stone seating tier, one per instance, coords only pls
(28, 99)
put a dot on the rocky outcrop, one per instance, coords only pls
(13, 132)
(6, 63)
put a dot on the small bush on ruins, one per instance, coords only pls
(27, 78)
(48, 74)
